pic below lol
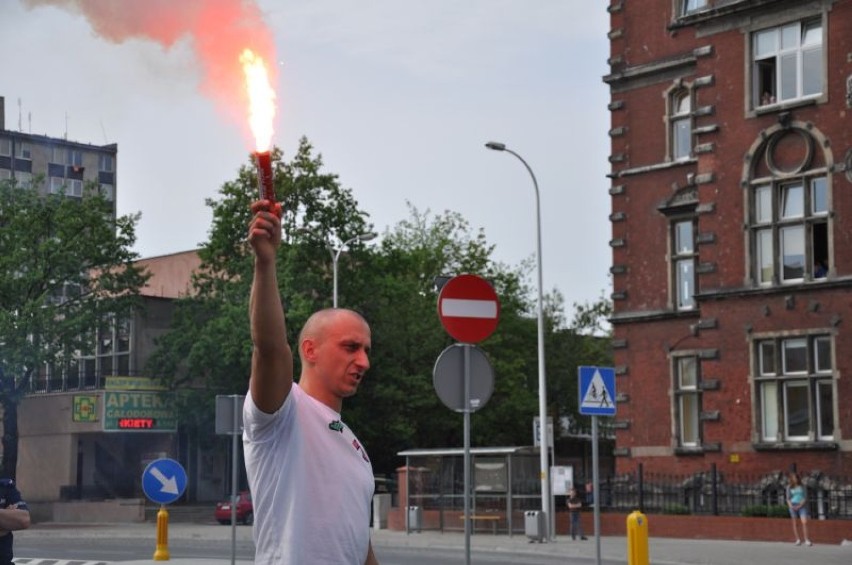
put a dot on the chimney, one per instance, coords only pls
(2, 114)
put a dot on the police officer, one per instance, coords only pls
(14, 515)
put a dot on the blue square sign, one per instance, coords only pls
(596, 391)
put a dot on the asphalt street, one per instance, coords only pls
(662, 551)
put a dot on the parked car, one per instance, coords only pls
(245, 510)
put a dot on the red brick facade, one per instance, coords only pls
(732, 122)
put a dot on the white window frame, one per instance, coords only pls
(5, 147)
(684, 264)
(680, 124)
(688, 401)
(782, 57)
(776, 390)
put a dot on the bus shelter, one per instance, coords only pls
(504, 484)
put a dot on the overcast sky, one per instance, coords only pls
(399, 97)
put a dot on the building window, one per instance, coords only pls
(75, 158)
(795, 389)
(5, 174)
(788, 62)
(23, 180)
(108, 192)
(693, 5)
(683, 263)
(24, 151)
(58, 155)
(68, 187)
(111, 354)
(106, 163)
(680, 125)
(687, 401)
(57, 185)
(790, 230)
(5, 147)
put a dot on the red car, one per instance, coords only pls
(245, 510)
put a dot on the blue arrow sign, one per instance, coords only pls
(163, 481)
(596, 391)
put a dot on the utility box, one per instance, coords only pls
(415, 519)
(381, 508)
(534, 525)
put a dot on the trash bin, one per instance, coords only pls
(534, 525)
(415, 518)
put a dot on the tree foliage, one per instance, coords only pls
(393, 284)
(66, 266)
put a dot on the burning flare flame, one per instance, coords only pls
(261, 99)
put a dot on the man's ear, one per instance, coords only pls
(308, 347)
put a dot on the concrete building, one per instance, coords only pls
(52, 165)
(731, 188)
(88, 429)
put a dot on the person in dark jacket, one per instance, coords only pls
(14, 516)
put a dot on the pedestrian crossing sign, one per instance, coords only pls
(596, 391)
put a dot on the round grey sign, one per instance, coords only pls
(448, 377)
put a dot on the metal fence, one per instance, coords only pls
(723, 494)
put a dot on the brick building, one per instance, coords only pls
(731, 187)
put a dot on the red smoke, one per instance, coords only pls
(218, 30)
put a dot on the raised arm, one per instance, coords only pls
(272, 358)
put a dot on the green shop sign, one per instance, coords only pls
(139, 411)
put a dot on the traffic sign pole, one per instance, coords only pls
(596, 490)
(467, 454)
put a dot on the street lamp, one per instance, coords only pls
(542, 382)
(335, 255)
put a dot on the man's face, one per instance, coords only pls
(342, 354)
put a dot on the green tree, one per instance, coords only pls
(208, 350)
(66, 268)
(397, 407)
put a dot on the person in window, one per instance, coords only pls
(575, 504)
(797, 501)
(14, 516)
(820, 270)
(767, 99)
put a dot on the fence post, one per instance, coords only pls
(714, 476)
(641, 488)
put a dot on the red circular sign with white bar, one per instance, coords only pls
(468, 308)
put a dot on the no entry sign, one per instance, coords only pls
(468, 308)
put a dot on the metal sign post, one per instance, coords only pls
(597, 398)
(229, 421)
(468, 309)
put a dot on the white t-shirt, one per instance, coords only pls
(311, 483)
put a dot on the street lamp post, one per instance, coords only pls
(542, 382)
(335, 255)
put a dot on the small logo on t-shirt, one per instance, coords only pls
(336, 425)
(357, 447)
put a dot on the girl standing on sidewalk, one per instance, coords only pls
(797, 501)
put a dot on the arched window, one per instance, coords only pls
(789, 204)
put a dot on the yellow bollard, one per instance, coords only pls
(162, 552)
(637, 539)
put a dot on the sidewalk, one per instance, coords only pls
(662, 551)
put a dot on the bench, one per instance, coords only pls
(493, 518)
